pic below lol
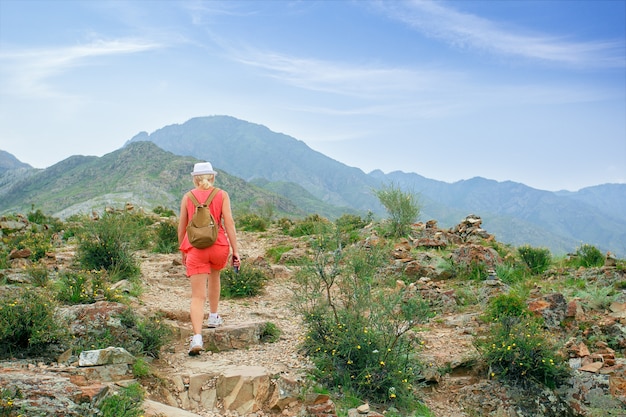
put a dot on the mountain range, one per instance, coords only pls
(260, 167)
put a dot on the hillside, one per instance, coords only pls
(517, 214)
(9, 162)
(141, 174)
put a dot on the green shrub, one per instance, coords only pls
(8, 395)
(475, 270)
(597, 297)
(285, 224)
(166, 237)
(310, 225)
(84, 287)
(402, 207)
(506, 305)
(163, 212)
(51, 223)
(588, 256)
(252, 223)
(350, 226)
(511, 273)
(37, 242)
(141, 336)
(153, 334)
(27, 323)
(356, 329)
(537, 259)
(38, 275)
(248, 282)
(275, 252)
(141, 368)
(126, 403)
(109, 243)
(519, 351)
(270, 333)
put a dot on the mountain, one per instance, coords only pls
(515, 213)
(252, 151)
(258, 166)
(9, 162)
(140, 173)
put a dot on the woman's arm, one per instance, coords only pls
(182, 220)
(229, 226)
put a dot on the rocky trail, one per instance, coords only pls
(447, 343)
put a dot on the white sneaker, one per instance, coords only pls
(214, 322)
(195, 345)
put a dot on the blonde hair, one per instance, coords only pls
(204, 182)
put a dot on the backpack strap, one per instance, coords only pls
(193, 198)
(195, 201)
(210, 197)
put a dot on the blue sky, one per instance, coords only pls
(526, 91)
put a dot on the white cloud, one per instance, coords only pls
(466, 30)
(28, 72)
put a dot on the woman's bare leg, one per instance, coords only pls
(198, 299)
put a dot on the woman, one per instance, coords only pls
(204, 265)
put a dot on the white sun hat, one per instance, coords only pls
(203, 168)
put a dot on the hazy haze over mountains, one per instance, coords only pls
(260, 166)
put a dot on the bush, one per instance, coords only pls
(108, 244)
(518, 351)
(276, 252)
(252, 223)
(588, 256)
(248, 282)
(163, 212)
(350, 225)
(84, 287)
(138, 335)
(166, 237)
(141, 368)
(27, 323)
(310, 225)
(506, 305)
(537, 259)
(270, 333)
(51, 223)
(37, 242)
(153, 334)
(403, 208)
(8, 408)
(126, 403)
(511, 274)
(39, 275)
(355, 328)
(285, 224)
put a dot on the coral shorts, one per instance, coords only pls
(203, 261)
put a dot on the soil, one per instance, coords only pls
(166, 289)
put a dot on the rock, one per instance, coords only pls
(156, 409)
(286, 391)
(20, 253)
(487, 398)
(552, 307)
(243, 388)
(363, 409)
(471, 254)
(12, 225)
(108, 356)
(325, 409)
